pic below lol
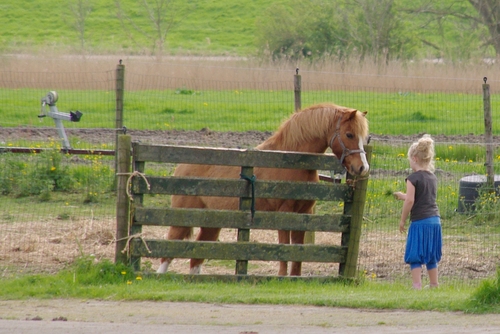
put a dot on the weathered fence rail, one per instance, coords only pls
(348, 223)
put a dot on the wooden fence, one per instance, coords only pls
(352, 193)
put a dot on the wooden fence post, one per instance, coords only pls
(309, 237)
(297, 88)
(488, 136)
(119, 93)
(244, 234)
(123, 154)
(349, 269)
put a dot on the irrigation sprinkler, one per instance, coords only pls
(50, 99)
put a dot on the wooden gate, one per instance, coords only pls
(352, 193)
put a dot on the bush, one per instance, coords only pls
(40, 174)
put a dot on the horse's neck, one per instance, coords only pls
(304, 132)
(277, 143)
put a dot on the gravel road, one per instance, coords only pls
(95, 316)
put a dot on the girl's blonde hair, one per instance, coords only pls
(423, 150)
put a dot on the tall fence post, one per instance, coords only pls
(297, 88)
(488, 136)
(123, 156)
(119, 92)
(309, 237)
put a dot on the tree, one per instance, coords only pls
(473, 20)
(162, 15)
(338, 29)
(283, 31)
(80, 10)
(489, 15)
(379, 30)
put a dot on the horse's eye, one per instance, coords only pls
(349, 135)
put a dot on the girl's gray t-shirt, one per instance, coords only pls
(424, 206)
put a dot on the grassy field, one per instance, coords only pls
(243, 110)
(206, 27)
(213, 27)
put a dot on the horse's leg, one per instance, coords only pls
(206, 234)
(297, 238)
(174, 233)
(283, 238)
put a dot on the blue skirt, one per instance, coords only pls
(424, 242)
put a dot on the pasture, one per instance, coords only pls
(44, 231)
(47, 235)
(237, 110)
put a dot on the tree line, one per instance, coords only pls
(380, 30)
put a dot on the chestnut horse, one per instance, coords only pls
(311, 130)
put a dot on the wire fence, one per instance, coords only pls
(55, 207)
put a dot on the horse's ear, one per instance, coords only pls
(352, 114)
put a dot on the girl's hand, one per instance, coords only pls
(402, 228)
(399, 195)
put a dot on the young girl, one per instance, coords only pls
(424, 242)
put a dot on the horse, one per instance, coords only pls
(311, 130)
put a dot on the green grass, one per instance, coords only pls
(209, 28)
(104, 280)
(213, 27)
(61, 207)
(243, 110)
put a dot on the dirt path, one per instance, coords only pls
(77, 316)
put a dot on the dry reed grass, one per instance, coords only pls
(211, 72)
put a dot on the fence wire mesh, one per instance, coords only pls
(55, 207)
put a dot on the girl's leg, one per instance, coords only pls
(433, 277)
(416, 276)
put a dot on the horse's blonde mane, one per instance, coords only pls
(315, 122)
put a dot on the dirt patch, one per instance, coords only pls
(49, 246)
(203, 137)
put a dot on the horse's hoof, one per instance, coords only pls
(163, 268)
(195, 270)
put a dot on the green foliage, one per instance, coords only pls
(185, 91)
(420, 117)
(380, 30)
(87, 271)
(487, 205)
(486, 297)
(41, 174)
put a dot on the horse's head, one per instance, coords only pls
(347, 140)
